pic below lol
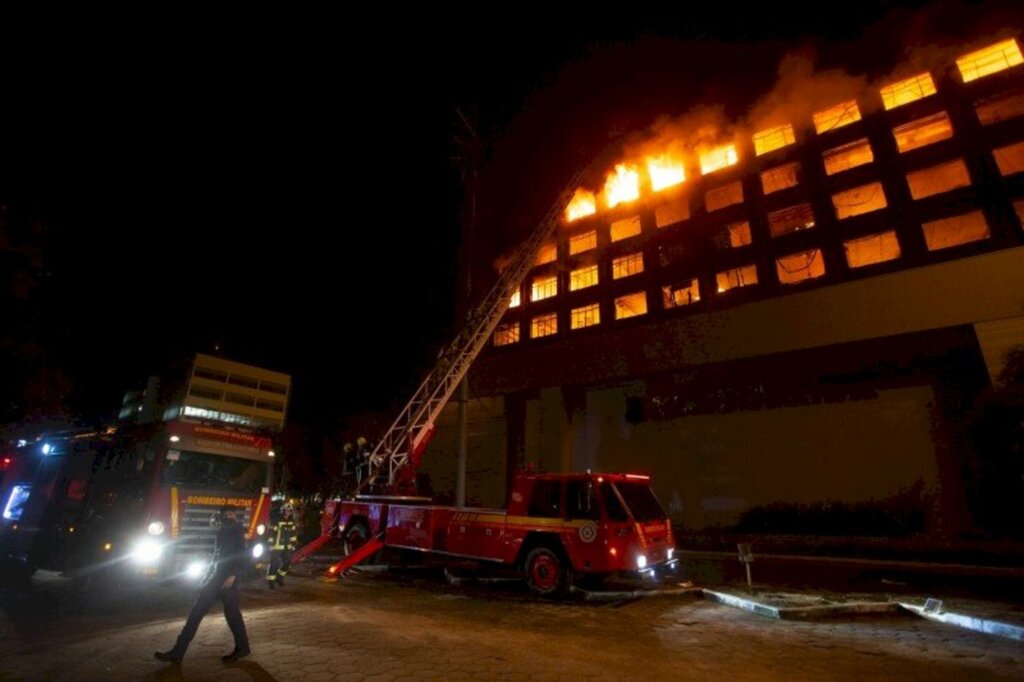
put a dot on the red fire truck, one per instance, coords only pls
(134, 498)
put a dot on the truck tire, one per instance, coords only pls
(355, 537)
(545, 572)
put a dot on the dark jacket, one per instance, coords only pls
(229, 555)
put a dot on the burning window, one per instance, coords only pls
(734, 235)
(506, 334)
(1001, 107)
(989, 60)
(582, 204)
(909, 90)
(961, 229)
(579, 243)
(547, 254)
(544, 325)
(723, 196)
(681, 294)
(582, 278)
(672, 213)
(625, 266)
(858, 200)
(923, 132)
(800, 267)
(622, 185)
(623, 229)
(938, 179)
(664, 171)
(792, 219)
(773, 138)
(718, 158)
(1010, 159)
(875, 248)
(851, 155)
(630, 305)
(780, 178)
(544, 287)
(736, 277)
(838, 116)
(587, 316)
(515, 300)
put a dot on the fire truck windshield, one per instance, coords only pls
(201, 470)
(641, 501)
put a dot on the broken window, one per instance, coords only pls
(578, 243)
(938, 179)
(736, 277)
(506, 334)
(544, 287)
(718, 158)
(670, 214)
(515, 300)
(780, 177)
(923, 132)
(792, 219)
(682, 294)
(1010, 159)
(727, 195)
(836, 117)
(989, 60)
(624, 266)
(544, 325)
(908, 90)
(582, 204)
(671, 253)
(847, 156)
(587, 316)
(734, 235)
(1001, 107)
(547, 254)
(961, 229)
(623, 229)
(630, 305)
(858, 200)
(875, 248)
(773, 138)
(582, 278)
(799, 267)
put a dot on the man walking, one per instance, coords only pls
(283, 540)
(229, 561)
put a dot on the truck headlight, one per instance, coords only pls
(641, 561)
(155, 528)
(147, 551)
(261, 529)
(257, 550)
(196, 569)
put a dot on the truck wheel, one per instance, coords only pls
(357, 535)
(545, 572)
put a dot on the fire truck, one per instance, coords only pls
(555, 526)
(135, 499)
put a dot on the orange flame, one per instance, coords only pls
(665, 171)
(718, 158)
(582, 204)
(621, 186)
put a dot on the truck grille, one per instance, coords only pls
(196, 537)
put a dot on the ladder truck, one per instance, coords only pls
(555, 526)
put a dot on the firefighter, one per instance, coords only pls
(283, 541)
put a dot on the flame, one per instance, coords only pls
(621, 186)
(582, 204)
(718, 158)
(665, 171)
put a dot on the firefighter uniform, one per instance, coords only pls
(283, 541)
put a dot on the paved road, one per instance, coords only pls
(377, 626)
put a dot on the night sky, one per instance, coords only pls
(284, 186)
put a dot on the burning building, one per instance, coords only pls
(782, 317)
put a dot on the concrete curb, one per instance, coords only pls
(988, 627)
(802, 612)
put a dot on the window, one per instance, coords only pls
(800, 267)
(669, 254)
(1001, 107)
(923, 132)
(736, 277)
(544, 325)
(544, 287)
(670, 214)
(546, 499)
(718, 158)
(515, 300)
(630, 305)
(780, 177)
(239, 380)
(792, 219)
(582, 204)
(578, 243)
(989, 60)
(1010, 159)
(938, 179)
(625, 266)
(727, 195)
(623, 229)
(773, 138)
(875, 248)
(583, 278)
(240, 399)
(272, 387)
(581, 501)
(909, 90)
(734, 235)
(211, 374)
(961, 229)
(547, 254)
(851, 155)
(271, 405)
(204, 392)
(836, 117)
(587, 316)
(506, 334)
(858, 200)
(682, 294)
